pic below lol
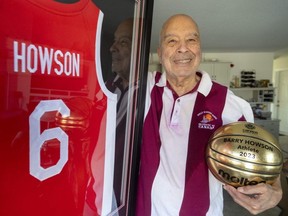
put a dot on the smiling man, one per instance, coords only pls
(180, 53)
(183, 109)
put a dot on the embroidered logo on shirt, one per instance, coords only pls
(207, 120)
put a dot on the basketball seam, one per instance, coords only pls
(257, 163)
(277, 147)
(240, 169)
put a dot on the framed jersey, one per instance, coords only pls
(70, 104)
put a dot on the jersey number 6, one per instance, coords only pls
(37, 139)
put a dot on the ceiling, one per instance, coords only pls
(230, 25)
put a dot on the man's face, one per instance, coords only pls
(121, 50)
(180, 50)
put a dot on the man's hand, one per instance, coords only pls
(257, 198)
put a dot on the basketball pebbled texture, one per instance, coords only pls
(242, 153)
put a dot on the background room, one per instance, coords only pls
(245, 47)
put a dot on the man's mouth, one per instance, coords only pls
(182, 61)
(115, 59)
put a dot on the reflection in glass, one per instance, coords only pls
(118, 84)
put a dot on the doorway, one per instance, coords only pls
(281, 105)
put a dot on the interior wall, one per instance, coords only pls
(280, 63)
(261, 63)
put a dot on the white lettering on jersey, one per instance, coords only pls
(37, 139)
(27, 58)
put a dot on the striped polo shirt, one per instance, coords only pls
(174, 177)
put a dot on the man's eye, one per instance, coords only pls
(172, 42)
(192, 40)
(124, 43)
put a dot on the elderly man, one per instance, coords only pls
(174, 177)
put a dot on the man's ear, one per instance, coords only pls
(159, 55)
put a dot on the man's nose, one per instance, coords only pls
(113, 47)
(183, 46)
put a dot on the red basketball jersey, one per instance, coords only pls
(54, 107)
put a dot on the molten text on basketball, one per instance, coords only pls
(239, 180)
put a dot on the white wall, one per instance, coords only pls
(281, 63)
(262, 63)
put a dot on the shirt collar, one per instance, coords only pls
(162, 80)
(204, 87)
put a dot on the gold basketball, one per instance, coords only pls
(243, 153)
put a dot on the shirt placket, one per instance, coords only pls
(175, 118)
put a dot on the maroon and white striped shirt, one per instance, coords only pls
(174, 177)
